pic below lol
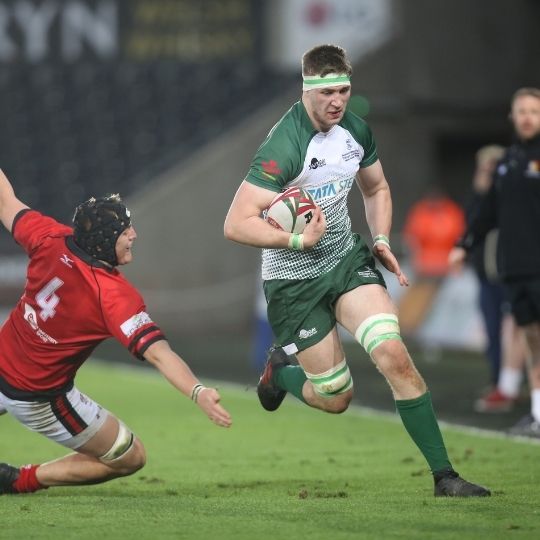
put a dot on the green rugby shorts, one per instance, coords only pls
(301, 311)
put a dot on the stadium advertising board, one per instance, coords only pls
(297, 25)
(134, 30)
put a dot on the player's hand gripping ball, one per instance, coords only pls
(291, 210)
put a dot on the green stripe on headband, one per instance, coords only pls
(315, 80)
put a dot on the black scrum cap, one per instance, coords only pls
(98, 223)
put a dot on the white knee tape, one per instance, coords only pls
(124, 441)
(336, 380)
(376, 329)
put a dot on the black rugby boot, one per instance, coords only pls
(269, 394)
(450, 484)
(8, 475)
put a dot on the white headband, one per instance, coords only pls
(332, 79)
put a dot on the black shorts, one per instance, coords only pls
(524, 296)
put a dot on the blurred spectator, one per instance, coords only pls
(513, 203)
(431, 229)
(505, 341)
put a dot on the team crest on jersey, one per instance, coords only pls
(270, 168)
(351, 154)
(130, 326)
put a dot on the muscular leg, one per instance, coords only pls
(390, 357)
(111, 452)
(85, 467)
(413, 401)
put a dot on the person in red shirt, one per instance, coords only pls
(431, 229)
(74, 298)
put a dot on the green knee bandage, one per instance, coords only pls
(377, 329)
(336, 380)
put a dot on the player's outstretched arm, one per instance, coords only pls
(178, 373)
(10, 206)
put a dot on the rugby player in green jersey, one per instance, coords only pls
(328, 274)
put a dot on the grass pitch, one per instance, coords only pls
(295, 473)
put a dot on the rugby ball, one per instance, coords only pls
(291, 210)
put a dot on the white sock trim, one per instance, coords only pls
(510, 380)
(535, 404)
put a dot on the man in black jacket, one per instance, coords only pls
(513, 204)
(506, 350)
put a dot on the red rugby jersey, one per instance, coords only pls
(70, 304)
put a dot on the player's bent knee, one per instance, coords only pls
(131, 462)
(334, 383)
(377, 330)
(121, 446)
(338, 404)
(127, 454)
(137, 457)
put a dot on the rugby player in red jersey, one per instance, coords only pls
(74, 298)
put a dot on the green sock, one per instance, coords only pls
(419, 420)
(292, 379)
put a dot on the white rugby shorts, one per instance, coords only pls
(70, 419)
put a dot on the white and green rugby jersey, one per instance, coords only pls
(296, 154)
